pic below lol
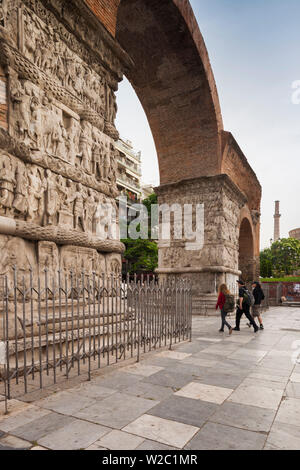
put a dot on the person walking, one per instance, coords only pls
(244, 304)
(259, 296)
(224, 305)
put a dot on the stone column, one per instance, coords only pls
(277, 216)
(217, 260)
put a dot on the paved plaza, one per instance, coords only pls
(218, 392)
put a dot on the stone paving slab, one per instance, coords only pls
(119, 440)
(220, 379)
(247, 417)
(162, 430)
(293, 390)
(289, 412)
(66, 402)
(295, 378)
(12, 442)
(21, 419)
(149, 391)
(176, 355)
(38, 428)
(209, 393)
(203, 363)
(283, 437)
(92, 390)
(184, 410)
(118, 380)
(14, 407)
(253, 382)
(255, 395)
(76, 435)
(219, 437)
(192, 348)
(265, 376)
(170, 378)
(116, 411)
(142, 369)
(153, 445)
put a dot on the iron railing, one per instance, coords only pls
(65, 324)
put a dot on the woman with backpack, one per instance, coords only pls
(226, 305)
(258, 298)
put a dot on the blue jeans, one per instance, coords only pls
(224, 321)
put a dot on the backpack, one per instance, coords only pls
(229, 305)
(249, 298)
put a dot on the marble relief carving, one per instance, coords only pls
(57, 161)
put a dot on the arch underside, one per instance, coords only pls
(246, 251)
(174, 82)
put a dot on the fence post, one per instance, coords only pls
(4, 345)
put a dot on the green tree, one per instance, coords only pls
(282, 259)
(142, 255)
(266, 263)
(285, 256)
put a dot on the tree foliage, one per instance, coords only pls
(142, 255)
(282, 259)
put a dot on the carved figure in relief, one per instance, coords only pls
(96, 156)
(51, 202)
(79, 82)
(35, 193)
(78, 209)
(70, 69)
(73, 136)
(97, 214)
(7, 183)
(57, 52)
(21, 97)
(111, 103)
(62, 191)
(39, 50)
(50, 123)
(58, 147)
(105, 162)
(36, 124)
(20, 201)
(85, 146)
(113, 166)
(90, 209)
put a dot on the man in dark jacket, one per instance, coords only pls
(259, 297)
(243, 307)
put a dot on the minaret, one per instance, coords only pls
(277, 222)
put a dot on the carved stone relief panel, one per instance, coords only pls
(17, 252)
(58, 162)
(44, 47)
(78, 260)
(48, 256)
(114, 264)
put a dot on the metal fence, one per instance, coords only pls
(65, 324)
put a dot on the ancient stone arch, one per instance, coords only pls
(246, 250)
(60, 67)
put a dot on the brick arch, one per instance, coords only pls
(173, 80)
(246, 249)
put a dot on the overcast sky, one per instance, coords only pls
(254, 49)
